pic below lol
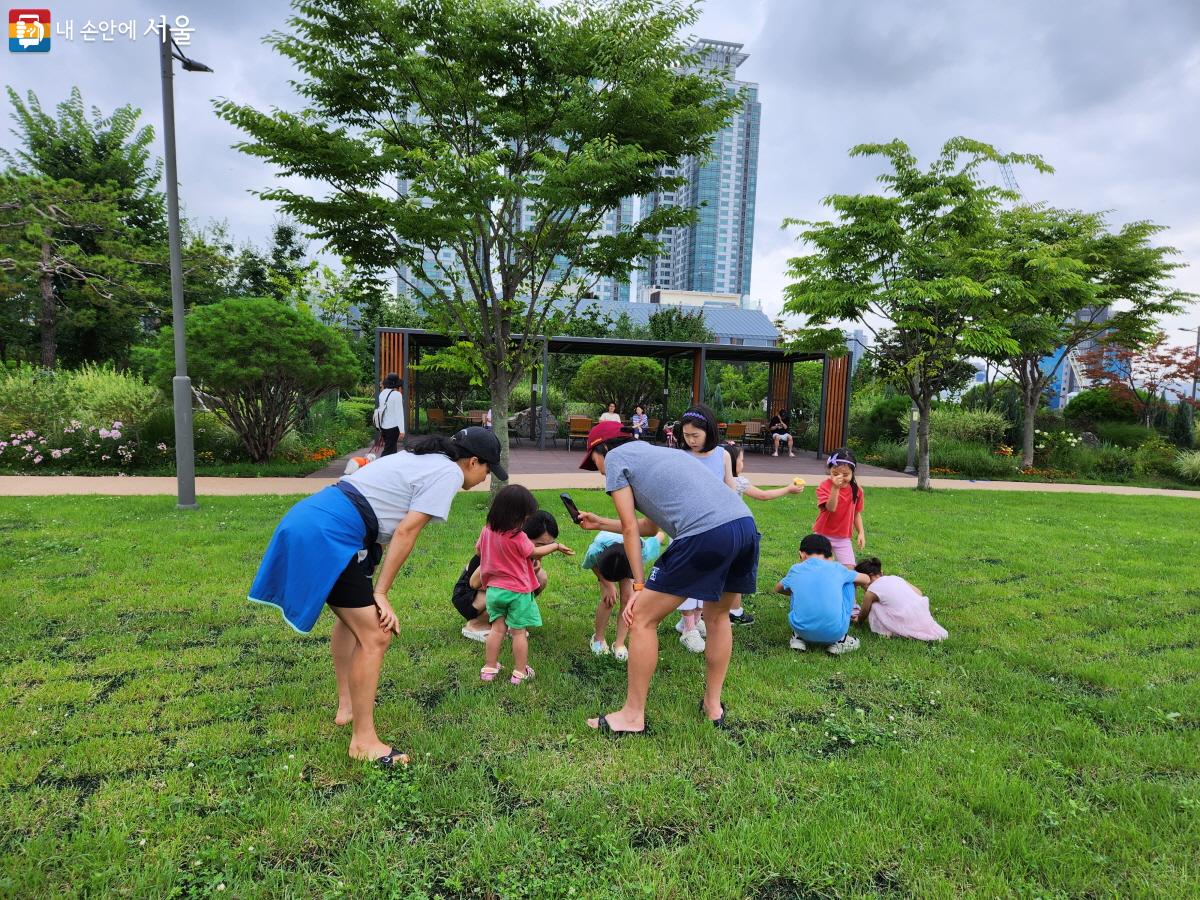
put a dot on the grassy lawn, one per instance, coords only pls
(161, 736)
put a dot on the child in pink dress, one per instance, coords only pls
(894, 608)
(507, 571)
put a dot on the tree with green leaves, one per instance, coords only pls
(918, 258)
(1066, 280)
(627, 381)
(476, 146)
(260, 365)
(109, 156)
(59, 232)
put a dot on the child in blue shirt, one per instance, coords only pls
(822, 592)
(606, 559)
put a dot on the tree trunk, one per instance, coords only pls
(923, 409)
(48, 317)
(501, 390)
(1029, 399)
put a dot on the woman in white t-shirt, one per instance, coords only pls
(389, 413)
(611, 415)
(326, 546)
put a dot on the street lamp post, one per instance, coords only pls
(1195, 360)
(185, 457)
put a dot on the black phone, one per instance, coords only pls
(572, 509)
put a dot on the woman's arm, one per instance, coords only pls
(592, 522)
(404, 538)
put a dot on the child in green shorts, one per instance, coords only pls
(506, 570)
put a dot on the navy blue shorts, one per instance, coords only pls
(722, 560)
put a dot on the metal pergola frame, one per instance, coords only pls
(413, 340)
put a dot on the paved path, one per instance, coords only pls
(56, 485)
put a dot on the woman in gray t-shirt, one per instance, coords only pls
(713, 556)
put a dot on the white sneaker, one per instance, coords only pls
(692, 641)
(621, 654)
(845, 645)
(797, 644)
(702, 628)
(471, 635)
(599, 646)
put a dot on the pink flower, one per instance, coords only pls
(42, 442)
(37, 459)
(4, 444)
(56, 453)
(104, 432)
(162, 447)
(106, 457)
(117, 425)
(115, 435)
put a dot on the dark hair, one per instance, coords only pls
(602, 448)
(700, 416)
(541, 522)
(639, 406)
(611, 403)
(422, 445)
(392, 381)
(612, 564)
(510, 508)
(816, 545)
(846, 455)
(735, 453)
(870, 566)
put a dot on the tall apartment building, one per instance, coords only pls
(715, 253)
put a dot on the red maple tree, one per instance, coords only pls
(1142, 374)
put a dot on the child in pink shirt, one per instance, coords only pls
(894, 608)
(507, 570)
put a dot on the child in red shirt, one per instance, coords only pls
(840, 501)
(507, 570)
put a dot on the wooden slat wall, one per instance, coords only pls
(391, 359)
(837, 396)
(779, 387)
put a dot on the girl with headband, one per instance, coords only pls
(840, 505)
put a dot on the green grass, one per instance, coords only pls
(160, 736)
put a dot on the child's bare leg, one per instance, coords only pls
(622, 628)
(520, 644)
(690, 619)
(495, 639)
(343, 644)
(603, 614)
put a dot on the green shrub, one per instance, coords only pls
(34, 398)
(103, 396)
(1187, 466)
(1112, 461)
(882, 421)
(970, 426)
(623, 380)
(1124, 434)
(1155, 458)
(967, 459)
(1101, 404)
(1183, 426)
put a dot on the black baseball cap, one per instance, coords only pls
(816, 545)
(483, 444)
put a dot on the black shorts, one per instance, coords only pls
(464, 602)
(353, 589)
(704, 566)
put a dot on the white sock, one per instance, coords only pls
(736, 612)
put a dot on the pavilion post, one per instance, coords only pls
(542, 412)
(698, 360)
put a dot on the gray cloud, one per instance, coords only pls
(1107, 90)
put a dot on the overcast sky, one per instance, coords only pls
(1108, 91)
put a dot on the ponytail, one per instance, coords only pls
(437, 443)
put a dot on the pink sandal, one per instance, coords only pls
(489, 673)
(519, 677)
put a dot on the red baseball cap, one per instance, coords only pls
(600, 433)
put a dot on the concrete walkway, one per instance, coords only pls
(63, 485)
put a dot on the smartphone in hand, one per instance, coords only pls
(572, 509)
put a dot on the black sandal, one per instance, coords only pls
(718, 722)
(604, 728)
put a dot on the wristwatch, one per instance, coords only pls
(638, 586)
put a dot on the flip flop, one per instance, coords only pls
(718, 722)
(604, 728)
(393, 758)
